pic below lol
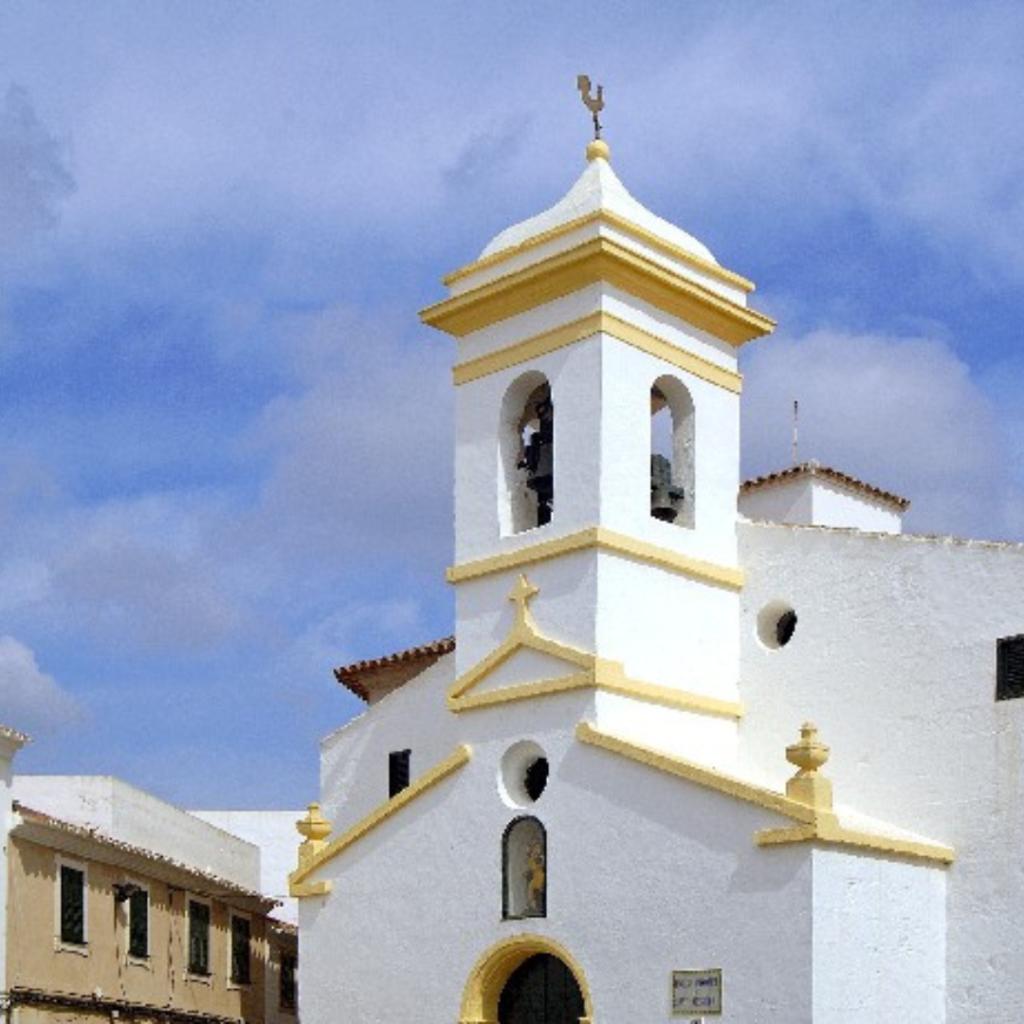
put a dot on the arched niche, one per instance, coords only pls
(527, 454)
(524, 856)
(673, 477)
(491, 972)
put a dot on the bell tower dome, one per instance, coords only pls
(597, 451)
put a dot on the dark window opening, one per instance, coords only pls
(198, 938)
(536, 778)
(72, 905)
(289, 970)
(138, 923)
(785, 627)
(240, 959)
(1010, 668)
(537, 432)
(398, 771)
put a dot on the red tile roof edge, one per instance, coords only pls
(348, 675)
(813, 468)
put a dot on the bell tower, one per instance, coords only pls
(597, 455)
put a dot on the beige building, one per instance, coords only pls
(123, 907)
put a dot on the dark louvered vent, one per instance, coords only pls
(1010, 668)
(398, 771)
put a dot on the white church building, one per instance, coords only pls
(699, 749)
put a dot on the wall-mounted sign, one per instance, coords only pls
(697, 993)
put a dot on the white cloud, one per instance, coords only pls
(31, 700)
(902, 413)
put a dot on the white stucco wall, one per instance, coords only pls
(273, 832)
(647, 874)
(879, 940)
(135, 817)
(894, 658)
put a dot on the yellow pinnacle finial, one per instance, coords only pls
(598, 150)
(808, 754)
(315, 828)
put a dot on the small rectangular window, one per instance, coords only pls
(398, 771)
(1010, 668)
(198, 937)
(138, 923)
(72, 905)
(289, 969)
(240, 950)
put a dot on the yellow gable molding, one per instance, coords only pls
(615, 220)
(681, 700)
(598, 259)
(586, 327)
(693, 772)
(828, 830)
(606, 540)
(297, 879)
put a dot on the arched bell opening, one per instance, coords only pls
(488, 987)
(672, 452)
(527, 454)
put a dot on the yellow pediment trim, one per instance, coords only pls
(298, 884)
(616, 220)
(814, 825)
(604, 539)
(588, 672)
(586, 327)
(598, 259)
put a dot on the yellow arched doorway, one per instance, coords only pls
(492, 971)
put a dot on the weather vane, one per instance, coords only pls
(595, 104)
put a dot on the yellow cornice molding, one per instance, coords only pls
(827, 829)
(589, 672)
(710, 778)
(297, 880)
(600, 322)
(598, 259)
(614, 220)
(814, 825)
(605, 540)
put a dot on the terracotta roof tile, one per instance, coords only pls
(363, 678)
(813, 468)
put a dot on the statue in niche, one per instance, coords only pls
(525, 869)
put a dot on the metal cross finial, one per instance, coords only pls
(595, 104)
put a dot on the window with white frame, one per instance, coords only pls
(71, 905)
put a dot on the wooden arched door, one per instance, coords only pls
(541, 990)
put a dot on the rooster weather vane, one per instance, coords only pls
(595, 104)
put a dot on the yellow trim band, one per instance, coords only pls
(599, 259)
(606, 540)
(297, 879)
(828, 830)
(586, 327)
(615, 220)
(691, 771)
(815, 826)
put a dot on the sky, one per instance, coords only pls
(226, 439)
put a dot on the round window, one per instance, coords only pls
(524, 774)
(776, 624)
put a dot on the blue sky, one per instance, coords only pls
(225, 439)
